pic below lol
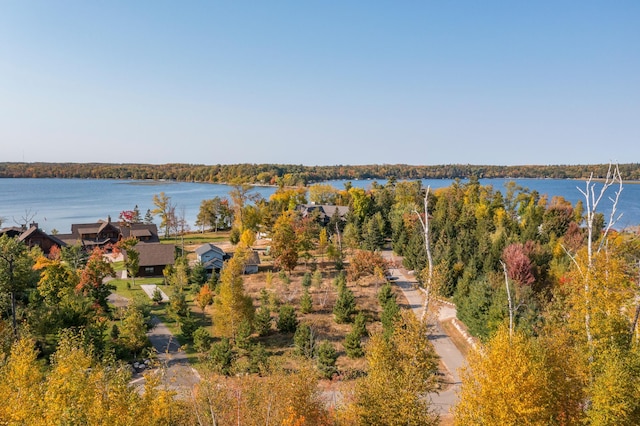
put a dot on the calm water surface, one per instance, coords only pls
(57, 203)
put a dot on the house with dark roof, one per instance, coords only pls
(253, 263)
(36, 237)
(323, 212)
(33, 236)
(154, 257)
(105, 234)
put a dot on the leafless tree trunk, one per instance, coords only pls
(427, 245)
(634, 324)
(506, 283)
(592, 200)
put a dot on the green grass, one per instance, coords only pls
(131, 291)
(199, 238)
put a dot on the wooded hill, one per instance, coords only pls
(292, 175)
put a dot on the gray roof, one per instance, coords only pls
(205, 248)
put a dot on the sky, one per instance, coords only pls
(320, 82)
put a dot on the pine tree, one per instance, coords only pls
(326, 359)
(232, 305)
(345, 305)
(287, 321)
(262, 320)
(306, 303)
(304, 340)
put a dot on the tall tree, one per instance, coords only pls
(166, 210)
(92, 280)
(15, 272)
(284, 243)
(401, 370)
(132, 256)
(507, 383)
(232, 306)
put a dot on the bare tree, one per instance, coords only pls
(427, 245)
(25, 219)
(592, 201)
(506, 283)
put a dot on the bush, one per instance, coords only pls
(306, 280)
(326, 359)
(221, 357)
(345, 305)
(202, 339)
(287, 321)
(188, 327)
(303, 341)
(262, 321)
(306, 303)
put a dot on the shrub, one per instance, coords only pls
(262, 321)
(202, 339)
(287, 321)
(306, 303)
(326, 359)
(221, 357)
(345, 305)
(303, 340)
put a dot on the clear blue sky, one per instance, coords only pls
(320, 82)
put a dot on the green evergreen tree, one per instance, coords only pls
(220, 357)
(389, 316)
(262, 320)
(287, 321)
(306, 280)
(202, 339)
(306, 302)
(385, 294)
(304, 340)
(243, 335)
(326, 358)
(345, 305)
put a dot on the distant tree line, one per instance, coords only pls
(299, 175)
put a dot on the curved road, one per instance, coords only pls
(449, 354)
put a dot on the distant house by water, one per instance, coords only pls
(105, 233)
(212, 257)
(323, 212)
(33, 236)
(154, 257)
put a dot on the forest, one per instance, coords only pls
(551, 291)
(299, 175)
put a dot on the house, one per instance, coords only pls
(105, 234)
(36, 237)
(101, 234)
(33, 237)
(253, 263)
(323, 212)
(146, 233)
(154, 257)
(212, 257)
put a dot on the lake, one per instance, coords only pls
(57, 203)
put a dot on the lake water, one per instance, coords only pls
(57, 203)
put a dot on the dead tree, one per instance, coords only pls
(427, 245)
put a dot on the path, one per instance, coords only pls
(177, 374)
(151, 288)
(449, 354)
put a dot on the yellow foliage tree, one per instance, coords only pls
(401, 372)
(507, 383)
(232, 306)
